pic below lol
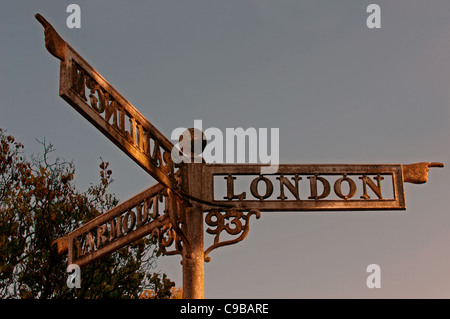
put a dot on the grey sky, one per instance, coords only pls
(338, 92)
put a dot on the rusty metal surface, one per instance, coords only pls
(53, 42)
(239, 224)
(102, 105)
(193, 254)
(189, 190)
(291, 178)
(418, 173)
(125, 223)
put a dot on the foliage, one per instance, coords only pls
(159, 289)
(39, 203)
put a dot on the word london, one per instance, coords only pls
(292, 185)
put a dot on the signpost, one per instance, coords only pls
(229, 193)
(102, 105)
(308, 187)
(131, 220)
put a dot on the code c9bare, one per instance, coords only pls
(246, 309)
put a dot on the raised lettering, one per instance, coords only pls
(115, 229)
(376, 189)
(313, 186)
(89, 245)
(230, 189)
(129, 221)
(292, 188)
(351, 184)
(101, 237)
(254, 187)
(156, 156)
(78, 81)
(141, 214)
(111, 110)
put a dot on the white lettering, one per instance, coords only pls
(374, 19)
(74, 19)
(374, 279)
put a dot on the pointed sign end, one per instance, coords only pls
(418, 173)
(53, 42)
(62, 245)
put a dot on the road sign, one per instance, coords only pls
(120, 226)
(102, 105)
(297, 187)
(225, 191)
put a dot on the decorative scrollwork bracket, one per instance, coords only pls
(174, 232)
(218, 219)
(167, 237)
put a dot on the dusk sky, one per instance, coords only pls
(338, 92)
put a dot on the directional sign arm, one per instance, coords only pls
(102, 105)
(312, 187)
(53, 42)
(418, 173)
(118, 227)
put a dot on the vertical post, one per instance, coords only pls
(193, 256)
(193, 260)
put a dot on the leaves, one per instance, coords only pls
(40, 203)
(162, 288)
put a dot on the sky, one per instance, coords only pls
(338, 91)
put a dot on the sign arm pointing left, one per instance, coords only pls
(53, 42)
(102, 105)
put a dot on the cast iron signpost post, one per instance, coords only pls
(173, 209)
